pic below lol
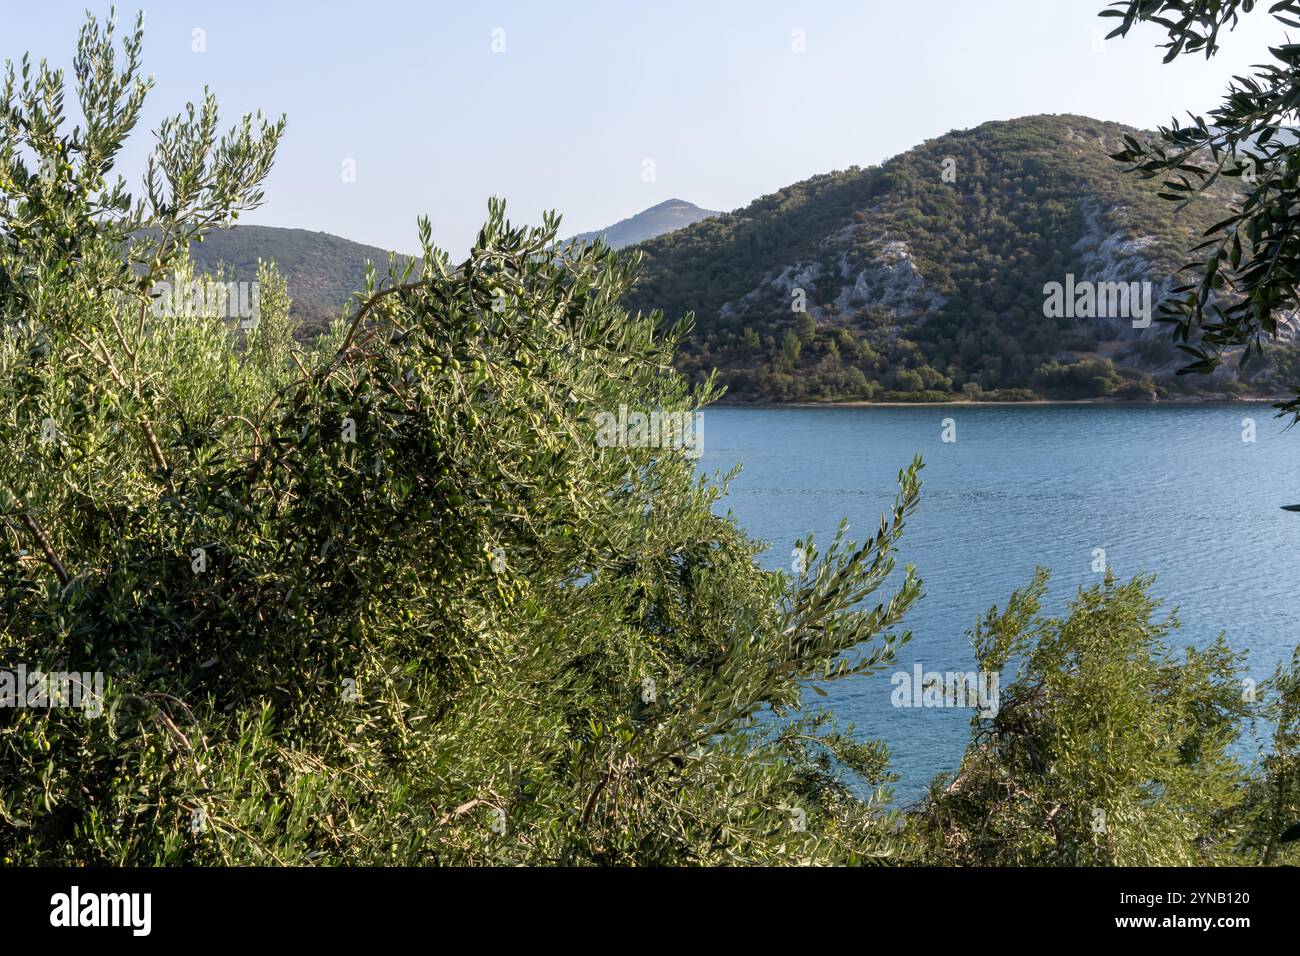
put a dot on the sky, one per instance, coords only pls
(600, 110)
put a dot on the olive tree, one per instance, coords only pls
(1243, 292)
(390, 598)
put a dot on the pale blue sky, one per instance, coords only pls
(711, 90)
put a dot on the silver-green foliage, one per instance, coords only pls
(385, 600)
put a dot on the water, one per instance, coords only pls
(1169, 489)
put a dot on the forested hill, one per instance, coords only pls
(322, 271)
(924, 277)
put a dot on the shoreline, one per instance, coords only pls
(1137, 402)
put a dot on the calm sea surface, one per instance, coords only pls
(1172, 490)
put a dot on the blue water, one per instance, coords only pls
(1167, 489)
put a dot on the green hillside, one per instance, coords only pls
(921, 285)
(322, 271)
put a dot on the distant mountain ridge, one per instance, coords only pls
(925, 278)
(321, 270)
(666, 217)
(921, 279)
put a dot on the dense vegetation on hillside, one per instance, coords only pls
(322, 271)
(1240, 296)
(921, 279)
(924, 277)
(386, 599)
